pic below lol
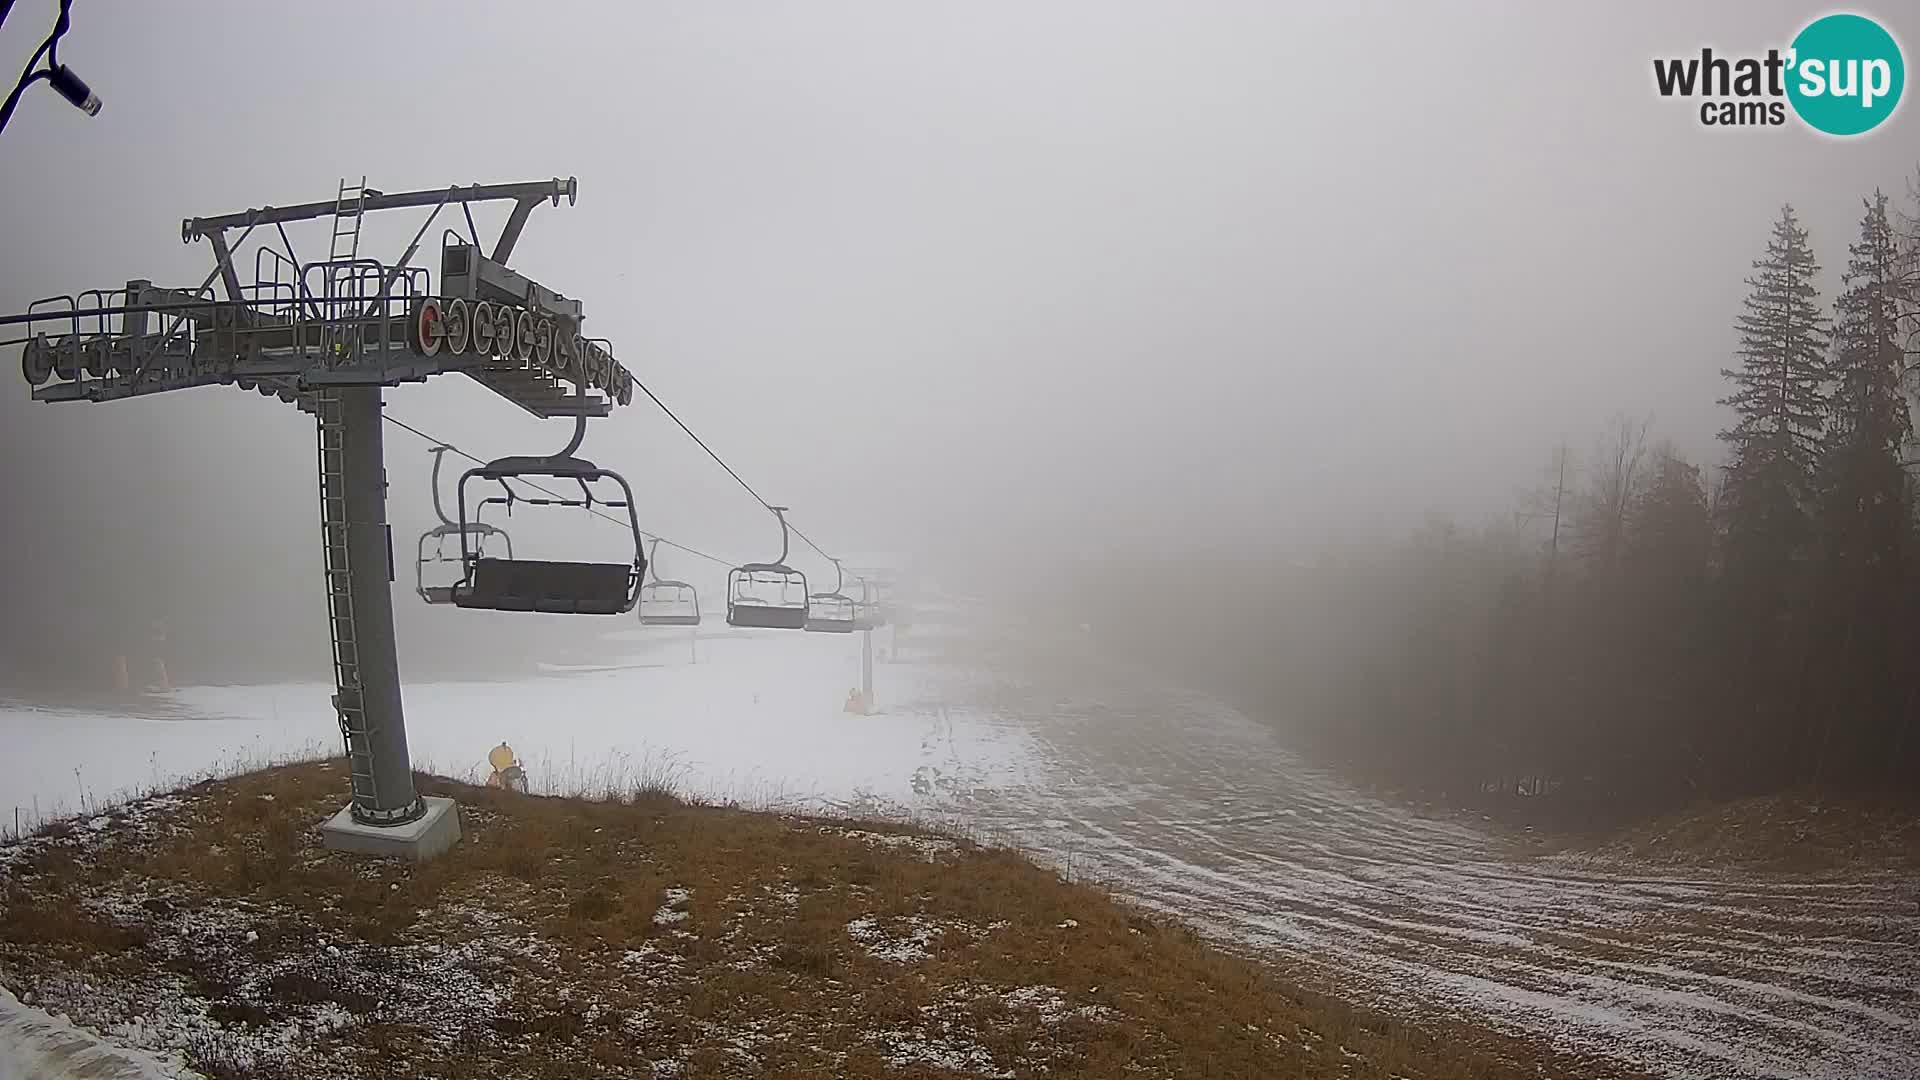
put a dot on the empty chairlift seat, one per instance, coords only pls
(768, 595)
(434, 562)
(540, 585)
(440, 555)
(665, 602)
(669, 603)
(831, 613)
(555, 588)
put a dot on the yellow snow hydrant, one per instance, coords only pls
(507, 773)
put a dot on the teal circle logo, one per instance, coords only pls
(1846, 76)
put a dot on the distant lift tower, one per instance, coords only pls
(326, 336)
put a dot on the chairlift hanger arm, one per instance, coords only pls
(579, 436)
(439, 454)
(781, 513)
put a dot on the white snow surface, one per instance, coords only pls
(758, 719)
(35, 1046)
(1166, 795)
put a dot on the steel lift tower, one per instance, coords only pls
(327, 336)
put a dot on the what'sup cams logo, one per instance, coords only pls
(1842, 75)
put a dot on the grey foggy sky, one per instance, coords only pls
(1066, 274)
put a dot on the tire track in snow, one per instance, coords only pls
(1198, 812)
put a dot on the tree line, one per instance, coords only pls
(1681, 630)
(1640, 630)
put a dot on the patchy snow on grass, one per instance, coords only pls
(35, 1045)
(1053, 1007)
(910, 942)
(132, 822)
(226, 998)
(928, 848)
(674, 909)
(940, 1051)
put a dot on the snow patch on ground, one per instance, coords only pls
(940, 1051)
(903, 941)
(35, 1045)
(314, 993)
(928, 848)
(758, 720)
(674, 909)
(1051, 1004)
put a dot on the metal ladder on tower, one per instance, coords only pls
(340, 337)
(334, 525)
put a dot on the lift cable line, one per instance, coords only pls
(779, 512)
(702, 444)
(696, 552)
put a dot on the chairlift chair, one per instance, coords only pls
(665, 602)
(866, 615)
(549, 587)
(875, 603)
(832, 612)
(438, 536)
(770, 595)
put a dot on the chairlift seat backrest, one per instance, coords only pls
(439, 534)
(556, 588)
(665, 602)
(789, 580)
(831, 613)
(785, 613)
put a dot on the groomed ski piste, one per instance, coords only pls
(1164, 794)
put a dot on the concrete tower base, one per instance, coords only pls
(419, 840)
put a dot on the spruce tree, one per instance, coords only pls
(1867, 409)
(1779, 396)
(1768, 498)
(1863, 514)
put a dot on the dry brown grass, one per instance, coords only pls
(643, 936)
(1795, 833)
